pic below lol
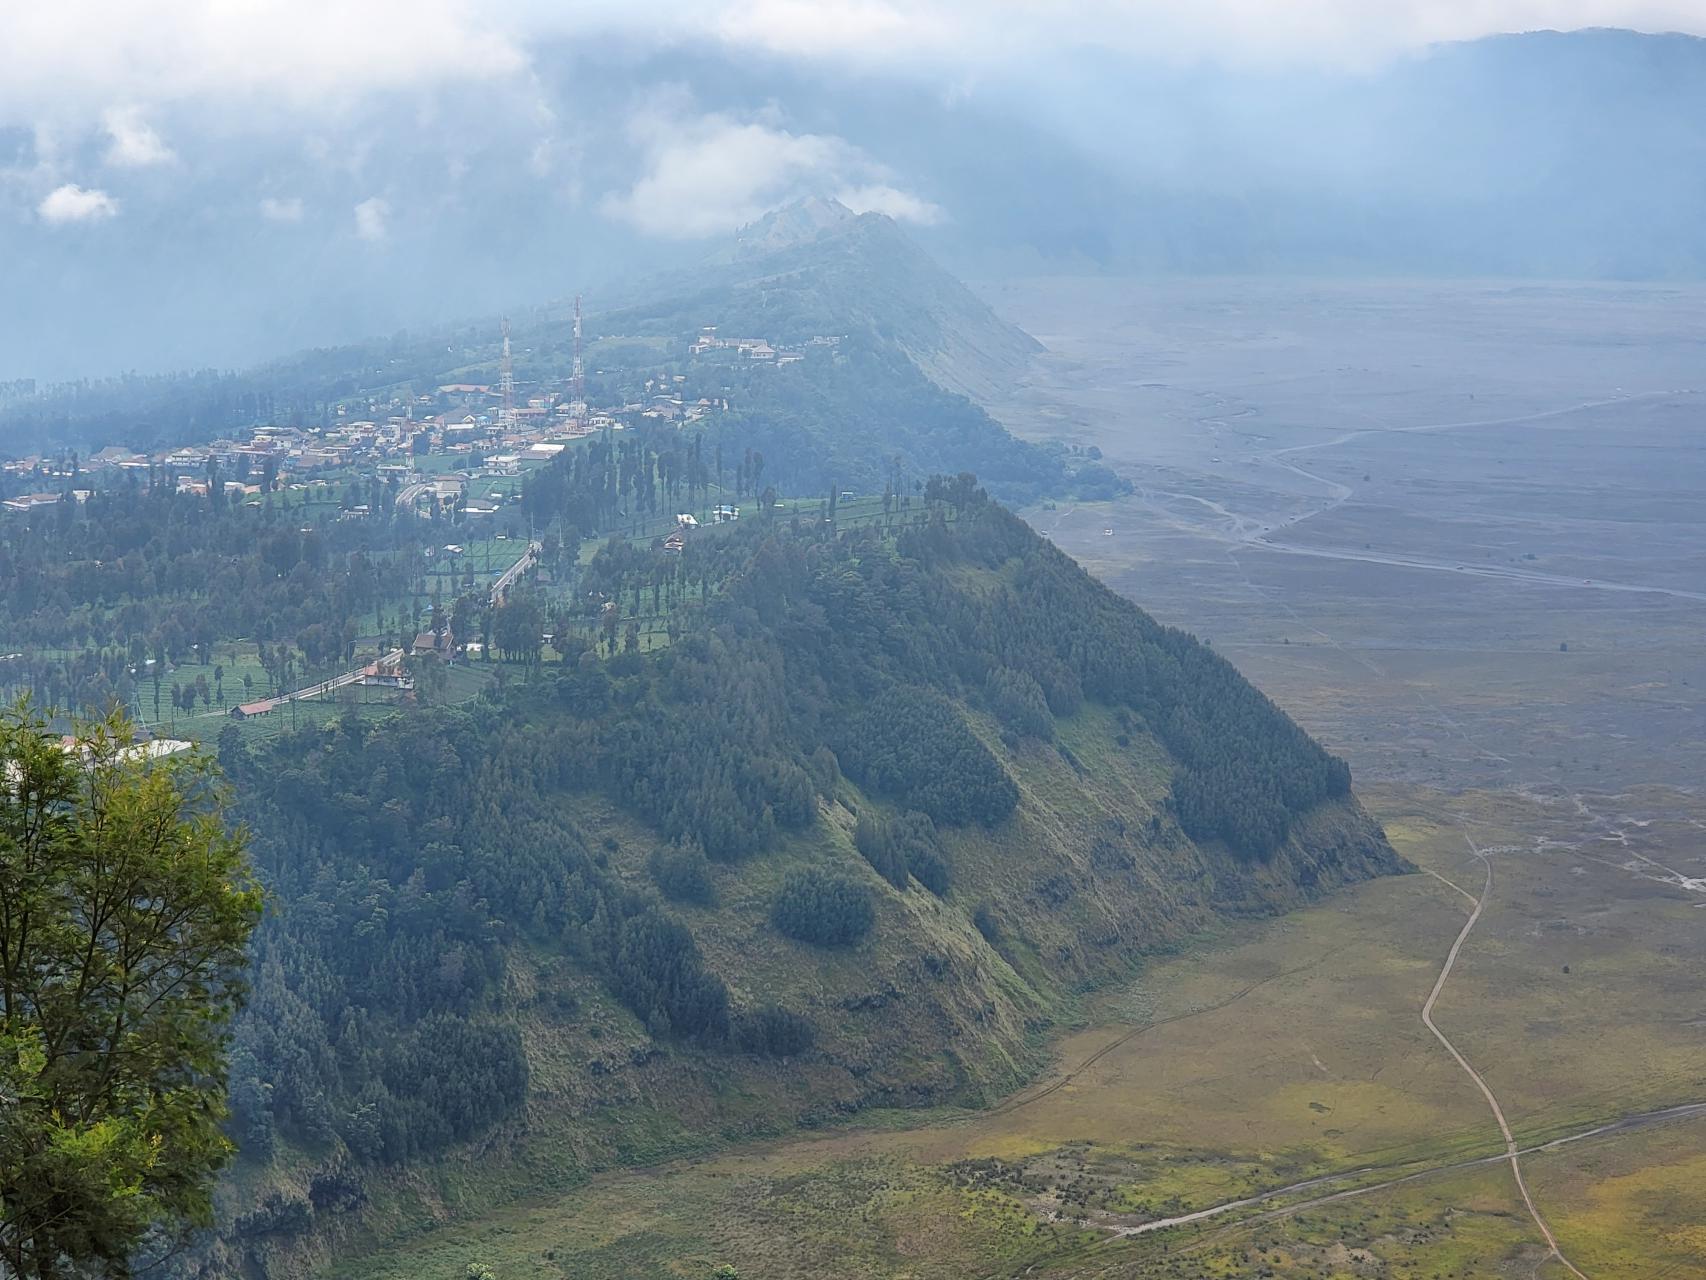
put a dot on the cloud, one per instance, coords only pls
(270, 60)
(836, 27)
(71, 203)
(900, 205)
(371, 216)
(706, 175)
(961, 33)
(269, 63)
(286, 209)
(134, 143)
(75, 57)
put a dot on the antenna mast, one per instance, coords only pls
(577, 406)
(506, 386)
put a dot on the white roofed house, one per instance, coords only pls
(31, 501)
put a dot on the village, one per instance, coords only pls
(436, 448)
(459, 453)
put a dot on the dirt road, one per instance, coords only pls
(1511, 1151)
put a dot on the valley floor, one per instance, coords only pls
(1456, 530)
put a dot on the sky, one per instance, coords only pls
(319, 153)
(97, 88)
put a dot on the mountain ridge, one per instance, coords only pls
(1432, 164)
(837, 270)
(626, 974)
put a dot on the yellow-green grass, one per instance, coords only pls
(1630, 1205)
(1278, 1051)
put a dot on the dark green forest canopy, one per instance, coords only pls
(414, 852)
(141, 579)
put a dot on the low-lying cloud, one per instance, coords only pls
(705, 175)
(900, 205)
(75, 58)
(969, 34)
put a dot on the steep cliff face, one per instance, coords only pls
(857, 837)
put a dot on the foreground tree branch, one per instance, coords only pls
(126, 906)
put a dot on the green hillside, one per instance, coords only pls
(805, 271)
(855, 838)
(815, 267)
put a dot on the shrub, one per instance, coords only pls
(827, 910)
(873, 840)
(683, 873)
(901, 847)
(1019, 703)
(910, 743)
(774, 1032)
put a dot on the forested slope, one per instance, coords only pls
(853, 838)
(857, 277)
(814, 267)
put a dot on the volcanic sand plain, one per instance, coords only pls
(1457, 531)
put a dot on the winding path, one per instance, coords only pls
(1686, 1111)
(1511, 1150)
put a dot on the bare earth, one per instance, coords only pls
(1459, 530)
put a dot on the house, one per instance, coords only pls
(249, 710)
(114, 455)
(686, 521)
(722, 513)
(441, 643)
(30, 501)
(388, 673)
(674, 544)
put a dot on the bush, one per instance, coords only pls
(823, 909)
(914, 835)
(774, 1032)
(901, 847)
(1020, 703)
(683, 873)
(872, 838)
(910, 743)
(826, 771)
(657, 971)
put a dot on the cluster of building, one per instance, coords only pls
(685, 523)
(757, 350)
(389, 671)
(498, 435)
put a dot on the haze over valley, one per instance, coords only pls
(847, 643)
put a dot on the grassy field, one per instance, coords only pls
(1274, 1053)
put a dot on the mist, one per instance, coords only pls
(177, 235)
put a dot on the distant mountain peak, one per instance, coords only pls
(794, 223)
